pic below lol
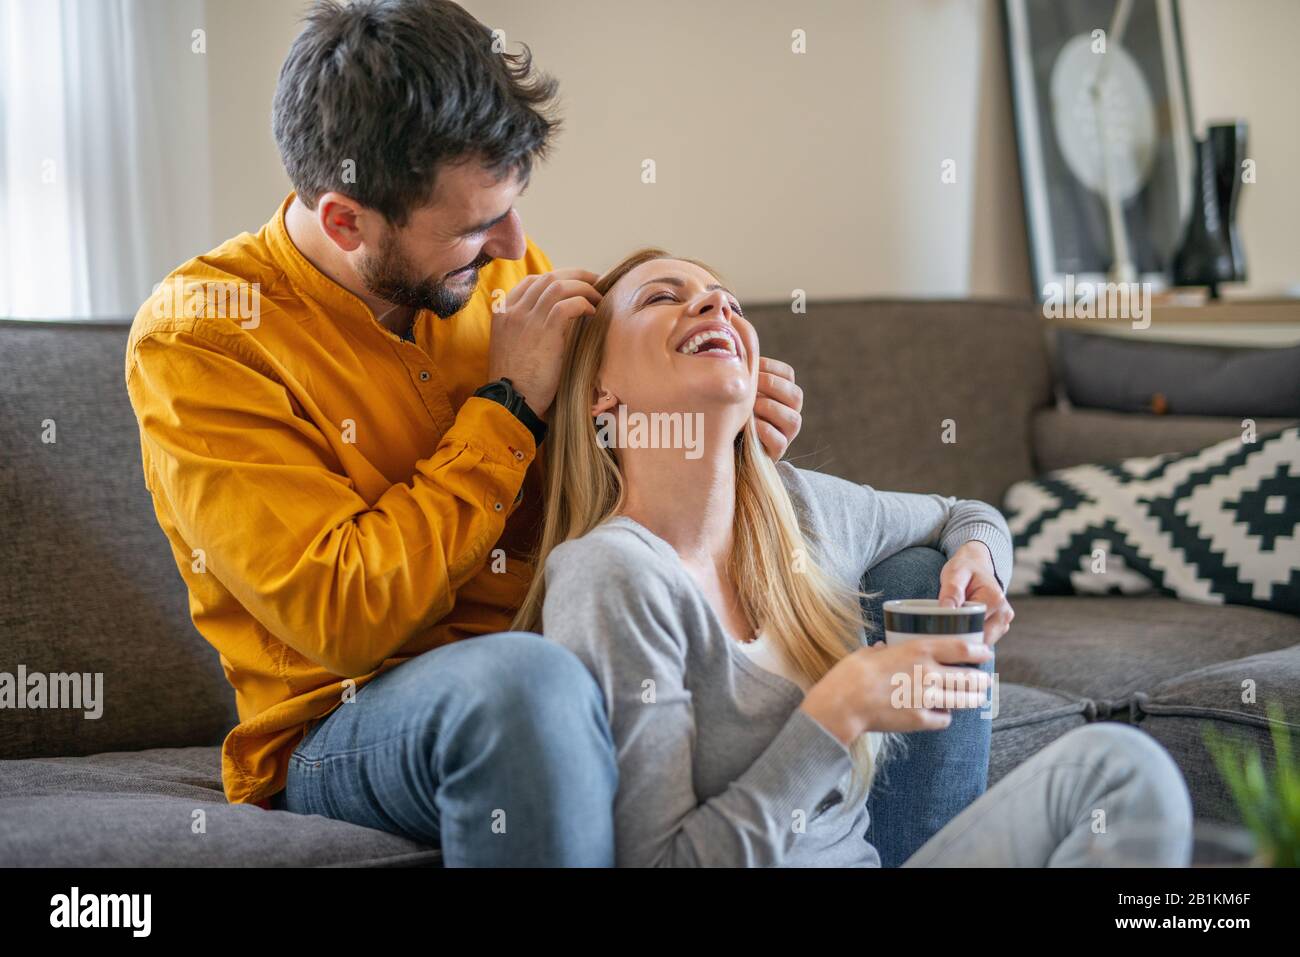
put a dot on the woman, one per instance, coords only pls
(714, 596)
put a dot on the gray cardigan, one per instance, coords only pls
(717, 764)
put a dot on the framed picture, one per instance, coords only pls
(1104, 133)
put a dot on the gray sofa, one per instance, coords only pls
(88, 584)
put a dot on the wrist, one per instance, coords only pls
(837, 721)
(502, 391)
(981, 552)
(540, 416)
(978, 550)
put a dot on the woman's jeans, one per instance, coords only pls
(497, 749)
(941, 772)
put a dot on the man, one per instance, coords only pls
(347, 471)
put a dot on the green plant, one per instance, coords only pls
(1269, 803)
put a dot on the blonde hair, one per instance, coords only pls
(808, 615)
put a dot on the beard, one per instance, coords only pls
(390, 276)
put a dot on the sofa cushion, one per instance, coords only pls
(165, 808)
(1107, 649)
(140, 809)
(1130, 375)
(1234, 697)
(89, 583)
(1064, 437)
(881, 378)
(1028, 720)
(1218, 525)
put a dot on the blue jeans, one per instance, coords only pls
(497, 750)
(941, 772)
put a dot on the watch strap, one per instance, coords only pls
(504, 392)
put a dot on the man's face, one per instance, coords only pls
(433, 261)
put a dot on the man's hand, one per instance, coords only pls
(968, 576)
(777, 406)
(528, 335)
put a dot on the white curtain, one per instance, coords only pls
(104, 168)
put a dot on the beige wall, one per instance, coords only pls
(818, 171)
(1242, 63)
(247, 41)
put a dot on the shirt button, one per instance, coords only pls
(424, 375)
(519, 455)
(497, 507)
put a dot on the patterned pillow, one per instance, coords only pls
(1216, 526)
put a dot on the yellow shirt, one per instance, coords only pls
(334, 495)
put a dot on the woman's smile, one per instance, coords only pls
(714, 340)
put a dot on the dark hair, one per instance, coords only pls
(400, 87)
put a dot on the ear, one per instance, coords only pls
(605, 400)
(341, 219)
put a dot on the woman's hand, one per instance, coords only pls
(968, 576)
(878, 687)
(777, 406)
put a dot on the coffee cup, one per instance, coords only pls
(909, 618)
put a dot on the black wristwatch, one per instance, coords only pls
(504, 392)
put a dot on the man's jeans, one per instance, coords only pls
(496, 748)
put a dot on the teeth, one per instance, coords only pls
(692, 345)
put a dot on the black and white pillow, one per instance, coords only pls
(1221, 525)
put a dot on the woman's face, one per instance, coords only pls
(677, 342)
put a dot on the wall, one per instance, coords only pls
(818, 171)
(1242, 64)
(247, 42)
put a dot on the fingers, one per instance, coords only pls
(783, 418)
(781, 389)
(937, 705)
(997, 617)
(932, 720)
(777, 406)
(520, 289)
(951, 699)
(566, 310)
(953, 581)
(954, 689)
(998, 621)
(579, 275)
(932, 685)
(782, 370)
(565, 289)
(774, 442)
(585, 275)
(528, 295)
(955, 651)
